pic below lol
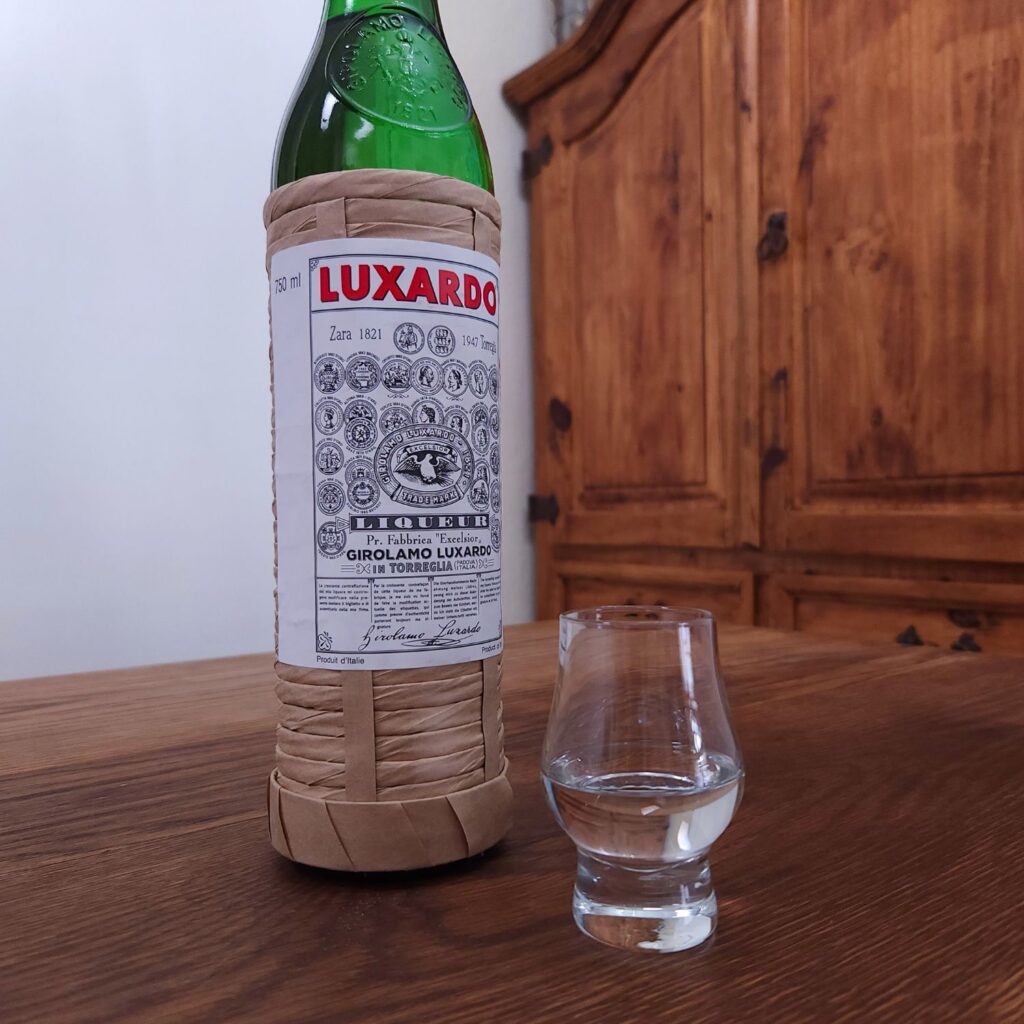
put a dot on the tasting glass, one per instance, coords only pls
(642, 770)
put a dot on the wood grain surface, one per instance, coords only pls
(875, 871)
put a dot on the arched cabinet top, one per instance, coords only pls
(603, 57)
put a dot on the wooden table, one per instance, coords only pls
(875, 871)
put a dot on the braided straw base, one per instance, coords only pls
(392, 835)
(401, 769)
(390, 770)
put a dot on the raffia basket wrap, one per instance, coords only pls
(400, 769)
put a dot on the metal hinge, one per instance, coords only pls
(535, 160)
(544, 508)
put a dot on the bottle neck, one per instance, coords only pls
(426, 9)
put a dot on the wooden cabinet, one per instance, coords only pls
(777, 321)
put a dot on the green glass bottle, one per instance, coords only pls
(381, 89)
(387, 451)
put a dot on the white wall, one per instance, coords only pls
(134, 408)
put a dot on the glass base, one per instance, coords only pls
(650, 908)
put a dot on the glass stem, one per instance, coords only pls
(657, 907)
(610, 880)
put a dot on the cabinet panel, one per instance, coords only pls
(959, 616)
(646, 399)
(911, 275)
(892, 325)
(641, 341)
(729, 595)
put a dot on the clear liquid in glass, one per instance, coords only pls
(643, 838)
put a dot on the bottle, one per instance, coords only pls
(381, 90)
(383, 247)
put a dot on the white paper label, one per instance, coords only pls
(388, 455)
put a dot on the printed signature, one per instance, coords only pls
(449, 635)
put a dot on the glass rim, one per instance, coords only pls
(632, 616)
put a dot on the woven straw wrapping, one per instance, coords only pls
(398, 769)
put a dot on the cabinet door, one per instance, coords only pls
(892, 327)
(728, 594)
(959, 616)
(645, 392)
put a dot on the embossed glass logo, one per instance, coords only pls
(392, 66)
